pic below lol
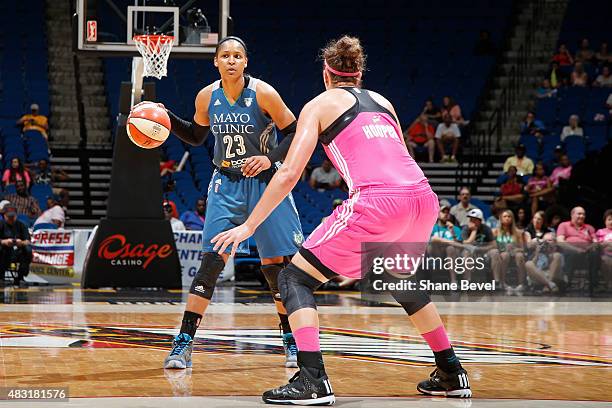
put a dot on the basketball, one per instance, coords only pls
(148, 125)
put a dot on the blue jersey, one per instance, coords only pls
(241, 129)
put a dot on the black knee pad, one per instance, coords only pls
(297, 289)
(204, 282)
(270, 272)
(412, 301)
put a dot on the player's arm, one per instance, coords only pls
(196, 131)
(284, 180)
(272, 104)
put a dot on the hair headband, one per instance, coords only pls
(231, 37)
(340, 73)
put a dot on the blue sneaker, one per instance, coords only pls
(290, 350)
(180, 355)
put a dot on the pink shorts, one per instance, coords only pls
(372, 214)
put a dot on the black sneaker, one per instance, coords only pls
(303, 389)
(440, 383)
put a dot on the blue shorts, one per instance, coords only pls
(230, 201)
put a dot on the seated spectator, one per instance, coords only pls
(579, 77)
(509, 239)
(540, 189)
(576, 238)
(604, 237)
(452, 108)
(557, 77)
(43, 174)
(485, 45)
(434, 116)
(23, 201)
(421, 134)
(194, 220)
(444, 238)
(171, 214)
(461, 209)
(16, 173)
(521, 218)
(532, 126)
(14, 244)
(562, 172)
(523, 164)
(556, 159)
(609, 104)
(603, 56)
(563, 56)
(325, 177)
(545, 90)
(537, 228)
(576, 230)
(584, 54)
(573, 128)
(477, 238)
(448, 133)
(512, 190)
(605, 78)
(53, 215)
(34, 121)
(544, 265)
(167, 167)
(496, 209)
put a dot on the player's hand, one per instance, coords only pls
(234, 236)
(255, 165)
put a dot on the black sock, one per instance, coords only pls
(284, 322)
(191, 321)
(447, 361)
(312, 361)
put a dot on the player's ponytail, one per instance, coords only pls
(344, 59)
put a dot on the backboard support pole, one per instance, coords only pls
(137, 79)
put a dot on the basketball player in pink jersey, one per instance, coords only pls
(390, 200)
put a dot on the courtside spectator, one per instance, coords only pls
(545, 90)
(562, 172)
(540, 189)
(171, 214)
(544, 265)
(448, 133)
(537, 228)
(532, 126)
(603, 56)
(477, 238)
(434, 116)
(584, 54)
(23, 201)
(421, 134)
(34, 121)
(484, 46)
(579, 76)
(14, 244)
(605, 78)
(510, 242)
(576, 231)
(16, 173)
(194, 220)
(573, 128)
(53, 215)
(325, 177)
(461, 209)
(563, 56)
(452, 108)
(604, 237)
(444, 238)
(523, 164)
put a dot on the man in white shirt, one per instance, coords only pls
(460, 210)
(448, 133)
(325, 177)
(53, 215)
(572, 129)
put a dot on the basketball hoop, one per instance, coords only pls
(155, 50)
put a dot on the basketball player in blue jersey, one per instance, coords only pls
(241, 112)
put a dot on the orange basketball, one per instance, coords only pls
(148, 125)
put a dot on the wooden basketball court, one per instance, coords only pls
(525, 353)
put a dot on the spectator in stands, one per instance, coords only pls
(477, 237)
(545, 90)
(605, 78)
(23, 201)
(511, 191)
(561, 172)
(537, 228)
(194, 220)
(510, 242)
(496, 209)
(576, 230)
(421, 134)
(452, 108)
(573, 128)
(523, 164)
(604, 237)
(540, 189)
(167, 167)
(603, 56)
(521, 218)
(579, 76)
(53, 215)
(325, 177)
(434, 116)
(14, 244)
(34, 121)
(171, 214)
(556, 76)
(445, 238)
(563, 56)
(16, 173)
(448, 133)
(532, 126)
(609, 103)
(43, 174)
(484, 46)
(584, 54)
(544, 265)
(461, 209)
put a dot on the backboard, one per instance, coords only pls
(108, 26)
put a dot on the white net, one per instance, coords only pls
(155, 50)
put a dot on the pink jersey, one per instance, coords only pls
(365, 146)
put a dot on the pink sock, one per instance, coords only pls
(437, 339)
(307, 338)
